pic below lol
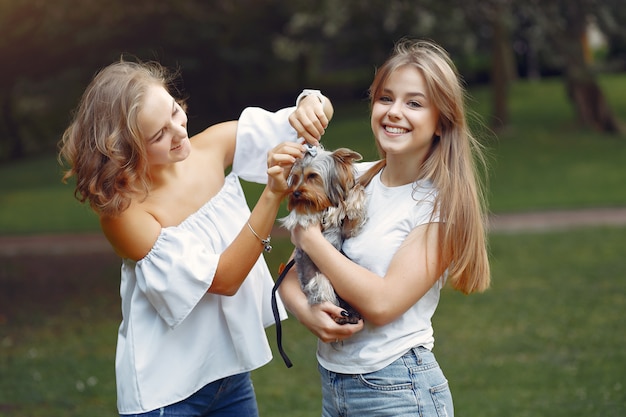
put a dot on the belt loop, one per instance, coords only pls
(418, 356)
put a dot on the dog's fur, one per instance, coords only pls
(325, 192)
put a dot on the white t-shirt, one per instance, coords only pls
(392, 213)
(175, 337)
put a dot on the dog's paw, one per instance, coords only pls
(348, 316)
(350, 319)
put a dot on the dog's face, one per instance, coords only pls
(322, 180)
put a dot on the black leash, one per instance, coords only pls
(279, 330)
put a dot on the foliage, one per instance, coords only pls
(225, 49)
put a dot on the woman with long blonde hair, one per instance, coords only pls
(425, 226)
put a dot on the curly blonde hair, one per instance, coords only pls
(104, 146)
(452, 163)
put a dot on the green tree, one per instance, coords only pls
(51, 50)
(44, 42)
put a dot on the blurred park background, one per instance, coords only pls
(547, 91)
(236, 53)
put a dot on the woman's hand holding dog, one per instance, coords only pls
(320, 320)
(301, 237)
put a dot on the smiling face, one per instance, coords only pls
(404, 120)
(163, 124)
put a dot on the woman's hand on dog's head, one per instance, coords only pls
(280, 160)
(310, 119)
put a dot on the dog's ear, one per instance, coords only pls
(347, 155)
(343, 159)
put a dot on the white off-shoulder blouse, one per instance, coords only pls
(175, 337)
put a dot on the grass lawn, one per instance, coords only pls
(546, 340)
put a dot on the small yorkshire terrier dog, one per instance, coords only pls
(325, 192)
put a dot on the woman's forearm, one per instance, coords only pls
(240, 256)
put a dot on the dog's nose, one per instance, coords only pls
(297, 194)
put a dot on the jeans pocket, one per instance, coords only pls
(442, 399)
(395, 376)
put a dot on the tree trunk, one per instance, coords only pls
(502, 65)
(500, 77)
(589, 102)
(14, 148)
(582, 87)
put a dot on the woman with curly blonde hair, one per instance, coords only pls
(195, 291)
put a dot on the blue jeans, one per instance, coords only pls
(229, 397)
(413, 385)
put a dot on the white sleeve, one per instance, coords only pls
(258, 131)
(176, 274)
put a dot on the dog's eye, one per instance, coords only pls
(311, 176)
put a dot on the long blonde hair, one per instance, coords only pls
(103, 146)
(452, 164)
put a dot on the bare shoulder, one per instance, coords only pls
(219, 140)
(132, 233)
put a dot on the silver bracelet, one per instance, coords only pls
(266, 242)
